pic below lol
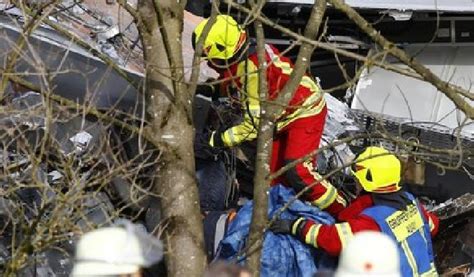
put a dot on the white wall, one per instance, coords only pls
(390, 93)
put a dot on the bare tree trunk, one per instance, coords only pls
(169, 111)
(268, 115)
(262, 168)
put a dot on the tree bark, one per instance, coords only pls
(262, 168)
(169, 113)
(268, 115)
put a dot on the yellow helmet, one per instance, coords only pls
(380, 174)
(224, 40)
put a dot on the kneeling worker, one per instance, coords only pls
(381, 206)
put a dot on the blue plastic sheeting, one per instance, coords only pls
(283, 255)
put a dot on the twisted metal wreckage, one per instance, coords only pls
(94, 147)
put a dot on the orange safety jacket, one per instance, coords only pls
(243, 77)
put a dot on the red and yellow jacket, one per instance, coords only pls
(333, 238)
(243, 77)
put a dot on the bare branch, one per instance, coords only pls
(264, 150)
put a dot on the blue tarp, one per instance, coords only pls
(283, 255)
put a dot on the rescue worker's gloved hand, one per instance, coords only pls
(202, 147)
(287, 226)
(208, 90)
(215, 139)
(282, 226)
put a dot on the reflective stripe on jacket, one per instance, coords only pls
(243, 77)
(411, 231)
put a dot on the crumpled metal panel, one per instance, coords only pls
(87, 78)
(97, 211)
(454, 244)
(455, 249)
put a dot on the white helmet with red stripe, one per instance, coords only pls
(369, 253)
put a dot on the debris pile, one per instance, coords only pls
(454, 244)
(62, 175)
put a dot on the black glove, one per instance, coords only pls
(289, 226)
(282, 226)
(202, 148)
(208, 90)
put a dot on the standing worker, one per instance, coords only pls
(299, 129)
(381, 206)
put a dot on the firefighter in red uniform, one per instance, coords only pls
(382, 206)
(299, 128)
